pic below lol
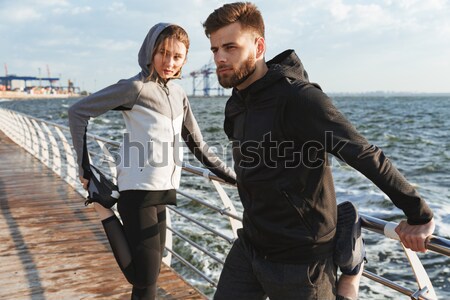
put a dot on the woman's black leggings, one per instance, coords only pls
(138, 244)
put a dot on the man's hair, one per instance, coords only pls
(246, 13)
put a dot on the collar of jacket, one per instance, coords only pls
(285, 65)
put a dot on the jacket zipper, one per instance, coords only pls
(244, 129)
(300, 212)
(166, 90)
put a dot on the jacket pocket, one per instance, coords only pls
(302, 207)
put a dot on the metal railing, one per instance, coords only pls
(50, 143)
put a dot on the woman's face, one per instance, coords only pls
(169, 58)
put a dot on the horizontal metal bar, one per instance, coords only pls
(222, 211)
(435, 243)
(37, 119)
(439, 245)
(390, 284)
(230, 240)
(201, 171)
(93, 136)
(194, 244)
(192, 267)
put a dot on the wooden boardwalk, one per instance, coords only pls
(51, 245)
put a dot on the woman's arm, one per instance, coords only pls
(121, 95)
(194, 140)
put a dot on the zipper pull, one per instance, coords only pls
(166, 89)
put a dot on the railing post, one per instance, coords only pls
(228, 205)
(42, 152)
(71, 172)
(56, 157)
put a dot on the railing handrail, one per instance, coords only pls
(32, 139)
(63, 127)
(435, 243)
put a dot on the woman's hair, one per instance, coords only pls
(170, 32)
(246, 13)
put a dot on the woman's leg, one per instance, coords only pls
(145, 228)
(140, 224)
(161, 210)
(139, 243)
(116, 237)
(151, 259)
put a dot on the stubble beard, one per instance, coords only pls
(240, 75)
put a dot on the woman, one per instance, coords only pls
(156, 113)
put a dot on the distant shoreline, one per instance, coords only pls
(358, 94)
(25, 96)
(10, 95)
(388, 94)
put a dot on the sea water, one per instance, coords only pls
(413, 131)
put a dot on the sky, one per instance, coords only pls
(346, 46)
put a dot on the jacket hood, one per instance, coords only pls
(146, 51)
(286, 64)
(289, 65)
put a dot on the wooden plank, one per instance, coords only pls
(51, 246)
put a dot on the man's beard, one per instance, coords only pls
(240, 75)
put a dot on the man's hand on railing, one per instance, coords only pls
(415, 237)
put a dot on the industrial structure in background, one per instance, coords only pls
(39, 84)
(203, 84)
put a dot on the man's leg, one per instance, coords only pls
(237, 280)
(313, 281)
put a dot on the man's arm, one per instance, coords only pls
(319, 116)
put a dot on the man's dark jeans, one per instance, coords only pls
(248, 276)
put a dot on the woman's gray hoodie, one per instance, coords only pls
(156, 116)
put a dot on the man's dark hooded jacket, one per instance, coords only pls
(282, 127)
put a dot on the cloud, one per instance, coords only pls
(51, 2)
(344, 37)
(418, 6)
(59, 42)
(19, 14)
(339, 10)
(115, 45)
(71, 10)
(117, 7)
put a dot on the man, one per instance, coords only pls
(282, 128)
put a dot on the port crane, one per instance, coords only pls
(202, 81)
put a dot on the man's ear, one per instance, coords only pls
(260, 47)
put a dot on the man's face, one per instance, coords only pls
(234, 54)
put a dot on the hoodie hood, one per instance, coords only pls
(146, 51)
(286, 64)
(290, 65)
